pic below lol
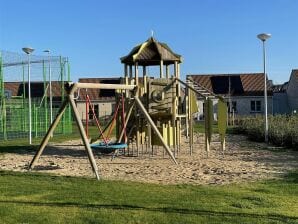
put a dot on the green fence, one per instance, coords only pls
(15, 123)
(14, 98)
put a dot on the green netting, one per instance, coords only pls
(14, 103)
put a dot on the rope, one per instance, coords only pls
(114, 118)
(97, 122)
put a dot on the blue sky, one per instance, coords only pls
(213, 36)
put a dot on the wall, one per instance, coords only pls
(292, 92)
(280, 103)
(243, 105)
(105, 108)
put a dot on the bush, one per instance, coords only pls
(283, 129)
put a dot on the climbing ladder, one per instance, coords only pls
(202, 91)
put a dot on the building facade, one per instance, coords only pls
(244, 93)
(292, 92)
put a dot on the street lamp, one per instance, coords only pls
(28, 51)
(263, 37)
(50, 82)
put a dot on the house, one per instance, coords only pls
(280, 99)
(292, 92)
(15, 109)
(244, 93)
(39, 91)
(103, 100)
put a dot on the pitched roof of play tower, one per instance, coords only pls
(151, 52)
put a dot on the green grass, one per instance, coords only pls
(40, 198)
(22, 145)
(199, 127)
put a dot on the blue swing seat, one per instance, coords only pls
(108, 148)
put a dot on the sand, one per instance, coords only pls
(242, 161)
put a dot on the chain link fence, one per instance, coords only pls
(47, 77)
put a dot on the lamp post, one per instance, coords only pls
(263, 37)
(28, 51)
(50, 86)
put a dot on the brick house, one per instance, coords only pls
(244, 93)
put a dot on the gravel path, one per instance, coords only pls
(243, 161)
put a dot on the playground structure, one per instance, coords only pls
(48, 75)
(154, 112)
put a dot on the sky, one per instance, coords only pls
(213, 36)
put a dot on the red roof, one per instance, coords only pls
(37, 88)
(248, 84)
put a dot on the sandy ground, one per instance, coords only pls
(243, 161)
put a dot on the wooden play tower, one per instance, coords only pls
(160, 93)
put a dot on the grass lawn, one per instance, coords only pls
(23, 145)
(40, 198)
(199, 127)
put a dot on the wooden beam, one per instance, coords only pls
(83, 136)
(103, 86)
(49, 133)
(147, 116)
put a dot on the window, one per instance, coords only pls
(255, 106)
(95, 107)
(233, 107)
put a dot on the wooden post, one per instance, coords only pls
(208, 125)
(138, 134)
(136, 74)
(83, 136)
(126, 121)
(223, 145)
(125, 70)
(187, 113)
(130, 72)
(178, 84)
(50, 131)
(147, 116)
(87, 115)
(167, 71)
(206, 115)
(149, 135)
(161, 69)
(126, 78)
(145, 79)
(191, 136)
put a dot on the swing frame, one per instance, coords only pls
(70, 89)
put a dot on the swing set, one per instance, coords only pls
(107, 146)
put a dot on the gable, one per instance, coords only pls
(247, 84)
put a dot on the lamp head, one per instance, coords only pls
(47, 51)
(264, 36)
(28, 50)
